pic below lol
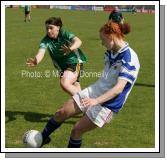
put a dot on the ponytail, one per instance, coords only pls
(125, 28)
(115, 29)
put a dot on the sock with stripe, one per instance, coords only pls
(51, 126)
(74, 143)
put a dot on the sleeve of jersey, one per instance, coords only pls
(121, 15)
(69, 35)
(43, 44)
(110, 16)
(128, 72)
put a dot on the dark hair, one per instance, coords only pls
(54, 21)
(112, 28)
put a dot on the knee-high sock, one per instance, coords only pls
(51, 126)
(74, 143)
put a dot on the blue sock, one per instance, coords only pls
(50, 127)
(74, 143)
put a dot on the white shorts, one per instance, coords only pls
(97, 114)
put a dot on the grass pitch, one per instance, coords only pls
(32, 100)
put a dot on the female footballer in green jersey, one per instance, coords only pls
(116, 16)
(27, 12)
(63, 47)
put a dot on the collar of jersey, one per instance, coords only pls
(119, 51)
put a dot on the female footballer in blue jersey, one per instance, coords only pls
(67, 57)
(107, 95)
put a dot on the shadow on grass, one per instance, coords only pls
(40, 117)
(144, 85)
(33, 117)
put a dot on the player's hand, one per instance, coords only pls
(66, 50)
(89, 102)
(31, 62)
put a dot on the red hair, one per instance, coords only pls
(115, 29)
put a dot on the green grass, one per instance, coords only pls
(30, 102)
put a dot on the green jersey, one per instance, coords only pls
(115, 17)
(27, 8)
(54, 47)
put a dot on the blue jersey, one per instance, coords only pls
(122, 65)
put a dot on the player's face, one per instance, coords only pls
(106, 41)
(52, 30)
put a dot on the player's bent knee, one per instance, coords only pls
(60, 115)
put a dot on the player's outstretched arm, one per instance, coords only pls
(38, 58)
